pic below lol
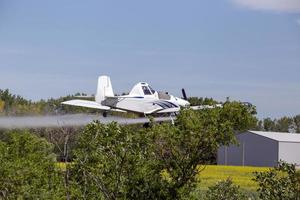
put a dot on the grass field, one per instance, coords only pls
(241, 176)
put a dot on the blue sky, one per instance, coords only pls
(248, 50)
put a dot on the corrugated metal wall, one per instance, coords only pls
(253, 150)
(289, 152)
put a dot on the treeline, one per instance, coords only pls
(11, 104)
(194, 101)
(284, 124)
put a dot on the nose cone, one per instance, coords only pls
(182, 102)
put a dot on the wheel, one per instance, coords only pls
(146, 125)
(104, 114)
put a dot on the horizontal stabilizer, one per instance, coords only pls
(124, 97)
(86, 104)
(206, 107)
(118, 110)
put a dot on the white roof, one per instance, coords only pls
(280, 137)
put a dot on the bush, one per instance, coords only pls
(225, 190)
(27, 168)
(282, 182)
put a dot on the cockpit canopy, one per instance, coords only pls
(148, 90)
(142, 89)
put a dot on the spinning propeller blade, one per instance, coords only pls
(184, 94)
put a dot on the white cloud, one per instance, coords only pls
(292, 6)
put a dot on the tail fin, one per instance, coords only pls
(104, 89)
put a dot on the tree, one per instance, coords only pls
(195, 101)
(282, 182)
(241, 116)
(2, 105)
(269, 124)
(197, 135)
(297, 123)
(113, 162)
(225, 190)
(160, 162)
(284, 124)
(27, 169)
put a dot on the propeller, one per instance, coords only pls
(184, 94)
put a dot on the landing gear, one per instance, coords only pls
(104, 114)
(172, 116)
(146, 125)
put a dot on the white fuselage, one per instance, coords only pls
(143, 99)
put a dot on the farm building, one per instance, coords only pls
(258, 148)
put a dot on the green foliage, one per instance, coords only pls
(225, 190)
(160, 162)
(16, 105)
(269, 124)
(11, 104)
(296, 120)
(27, 168)
(121, 162)
(192, 141)
(284, 124)
(195, 101)
(242, 117)
(112, 162)
(2, 104)
(282, 182)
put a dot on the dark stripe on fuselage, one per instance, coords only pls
(164, 106)
(174, 105)
(169, 104)
(138, 97)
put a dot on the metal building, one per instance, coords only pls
(258, 148)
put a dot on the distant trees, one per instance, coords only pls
(284, 124)
(2, 104)
(201, 101)
(11, 104)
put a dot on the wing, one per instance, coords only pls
(206, 107)
(86, 104)
(169, 110)
(124, 97)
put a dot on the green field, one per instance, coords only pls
(211, 174)
(241, 176)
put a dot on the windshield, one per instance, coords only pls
(153, 91)
(146, 90)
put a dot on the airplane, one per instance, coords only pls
(142, 100)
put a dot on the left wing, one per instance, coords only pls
(206, 107)
(86, 104)
(169, 110)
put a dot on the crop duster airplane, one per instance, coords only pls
(142, 99)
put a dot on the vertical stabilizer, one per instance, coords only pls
(104, 89)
